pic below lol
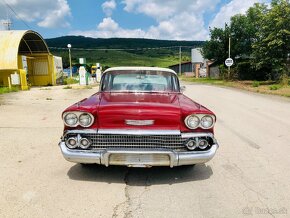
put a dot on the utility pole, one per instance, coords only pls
(180, 60)
(7, 24)
(229, 67)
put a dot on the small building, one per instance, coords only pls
(186, 68)
(25, 54)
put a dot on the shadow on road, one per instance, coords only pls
(140, 176)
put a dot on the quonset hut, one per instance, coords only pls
(24, 54)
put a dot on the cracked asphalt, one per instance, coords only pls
(248, 177)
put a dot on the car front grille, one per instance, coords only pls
(105, 141)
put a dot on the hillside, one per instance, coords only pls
(146, 52)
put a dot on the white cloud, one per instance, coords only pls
(46, 13)
(232, 8)
(109, 28)
(180, 20)
(108, 7)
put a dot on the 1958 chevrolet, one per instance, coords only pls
(139, 118)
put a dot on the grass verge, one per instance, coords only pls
(7, 90)
(265, 87)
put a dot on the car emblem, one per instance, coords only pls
(139, 122)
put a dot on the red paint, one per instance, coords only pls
(168, 110)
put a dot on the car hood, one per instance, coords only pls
(139, 110)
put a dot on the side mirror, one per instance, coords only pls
(182, 88)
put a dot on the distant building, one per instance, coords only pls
(25, 55)
(186, 67)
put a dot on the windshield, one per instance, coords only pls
(140, 81)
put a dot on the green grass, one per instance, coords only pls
(70, 80)
(158, 58)
(206, 81)
(7, 90)
(275, 87)
(256, 84)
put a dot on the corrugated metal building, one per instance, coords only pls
(186, 67)
(25, 53)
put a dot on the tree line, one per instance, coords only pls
(260, 43)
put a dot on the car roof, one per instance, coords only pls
(140, 68)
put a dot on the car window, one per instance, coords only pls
(142, 81)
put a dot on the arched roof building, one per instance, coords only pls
(24, 52)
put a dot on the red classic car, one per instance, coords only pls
(139, 118)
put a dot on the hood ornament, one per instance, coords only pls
(139, 122)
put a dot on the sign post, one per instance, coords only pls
(229, 62)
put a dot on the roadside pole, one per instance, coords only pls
(229, 67)
(179, 60)
(229, 61)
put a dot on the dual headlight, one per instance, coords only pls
(73, 119)
(204, 121)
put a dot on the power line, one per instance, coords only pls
(121, 49)
(17, 15)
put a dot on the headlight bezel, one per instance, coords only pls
(187, 120)
(78, 115)
(200, 117)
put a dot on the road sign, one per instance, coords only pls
(229, 62)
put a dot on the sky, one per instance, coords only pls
(154, 19)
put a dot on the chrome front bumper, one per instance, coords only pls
(140, 157)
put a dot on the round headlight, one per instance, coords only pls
(192, 121)
(85, 120)
(71, 119)
(206, 122)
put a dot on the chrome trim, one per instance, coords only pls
(103, 156)
(139, 122)
(138, 132)
(78, 114)
(200, 116)
(81, 131)
(197, 134)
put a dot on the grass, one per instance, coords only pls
(7, 90)
(265, 87)
(159, 58)
(70, 80)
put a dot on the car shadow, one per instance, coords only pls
(139, 176)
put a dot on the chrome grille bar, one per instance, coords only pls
(104, 141)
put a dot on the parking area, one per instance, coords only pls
(248, 177)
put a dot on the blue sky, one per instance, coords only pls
(158, 19)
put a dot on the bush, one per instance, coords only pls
(70, 80)
(256, 84)
(246, 71)
(274, 87)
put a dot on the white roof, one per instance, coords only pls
(140, 68)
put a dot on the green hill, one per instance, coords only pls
(134, 52)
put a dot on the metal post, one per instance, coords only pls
(180, 60)
(70, 62)
(69, 47)
(229, 68)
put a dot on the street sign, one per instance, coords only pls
(229, 62)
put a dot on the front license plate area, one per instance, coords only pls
(139, 160)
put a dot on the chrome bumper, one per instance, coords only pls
(140, 158)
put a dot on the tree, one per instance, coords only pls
(273, 45)
(216, 47)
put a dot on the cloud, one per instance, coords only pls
(108, 7)
(109, 28)
(232, 8)
(179, 20)
(46, 13)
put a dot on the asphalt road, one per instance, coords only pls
(248, 177)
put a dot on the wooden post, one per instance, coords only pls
(9, 82)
